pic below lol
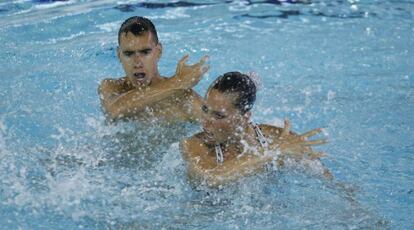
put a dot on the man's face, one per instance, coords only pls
(139, 56)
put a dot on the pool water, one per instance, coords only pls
(347, 66)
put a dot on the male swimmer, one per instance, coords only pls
(227, 149)
(143, 93)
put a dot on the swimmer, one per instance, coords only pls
(231, 146)
(143, 93)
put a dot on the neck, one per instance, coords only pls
(154, 80)
(244, 138)
(157, 78)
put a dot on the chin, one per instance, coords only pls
(140, 83)
(220, 139)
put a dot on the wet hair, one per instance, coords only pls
(137, 26)
(239, 84)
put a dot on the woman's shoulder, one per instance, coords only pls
(195, 146)
(195, 138)
(195, 141)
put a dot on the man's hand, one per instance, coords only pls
(187, 76)
(298, 146)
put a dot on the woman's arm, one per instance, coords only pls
(294, 145)
(298, 147)
(235, 169)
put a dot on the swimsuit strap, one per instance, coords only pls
(259, 134)
(260, 137)
(219, 153)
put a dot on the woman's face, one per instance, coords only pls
(222, 120)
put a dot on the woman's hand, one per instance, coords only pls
(187, 76)
(298, 146)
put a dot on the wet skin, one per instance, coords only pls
(143, 93)
(243, 155)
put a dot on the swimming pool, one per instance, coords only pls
(343, 65)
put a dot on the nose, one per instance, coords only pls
(206, 123)
(137, 60)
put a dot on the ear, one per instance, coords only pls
(118, 53)
(159, 47)
(248, 115)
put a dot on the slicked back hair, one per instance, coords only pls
(137, 26)
(239, 84)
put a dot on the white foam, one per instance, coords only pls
(257, 80)
(239, 6)
(13, 2)
(69, 190)
(49, 12)
(70, 37)
(109, 27)
(44, 7)
(172, 14)
(2, 140)
(53, 5)
(331, 95)
(277, 122)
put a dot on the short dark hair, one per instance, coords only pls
(242, 85)
(137, 25)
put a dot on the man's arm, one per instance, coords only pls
(195, 102)
(118, 104)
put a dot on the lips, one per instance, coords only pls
(139, 76)
(209, 137)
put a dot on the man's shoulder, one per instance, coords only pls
(113, 84)
(113, 81)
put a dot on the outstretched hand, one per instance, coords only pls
(297, 146)
(187, 76)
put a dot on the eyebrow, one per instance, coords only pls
(215, 113)
(145, 49)
(140, 50)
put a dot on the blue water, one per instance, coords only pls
(347, 66)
